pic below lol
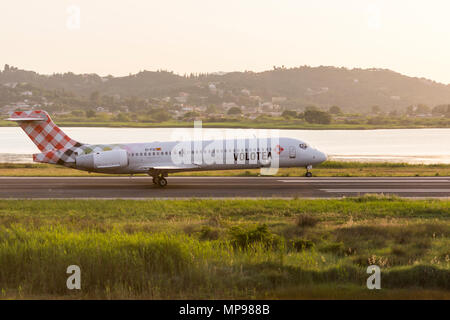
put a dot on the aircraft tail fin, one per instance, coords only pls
(45, 134)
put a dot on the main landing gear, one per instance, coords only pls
(308, 173)
(160, 180)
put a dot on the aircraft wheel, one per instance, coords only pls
(155, 180)
(308, 174)
(162, 182)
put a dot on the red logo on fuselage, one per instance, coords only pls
(278, 149)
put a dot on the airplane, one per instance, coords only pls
(158, 159)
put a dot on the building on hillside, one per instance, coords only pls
(182, 99)
(228, 105)
(276, 100)
(11, 85)
(245, 92)
(267, 105)
(212, 88)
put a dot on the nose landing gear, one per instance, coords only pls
(308, 173)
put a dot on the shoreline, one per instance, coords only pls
(234, 125)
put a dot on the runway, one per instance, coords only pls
(218, 187)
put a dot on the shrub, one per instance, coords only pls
(316, 116)
(335, 248)
(301, 244)
(208, 233)
(418, 276)
(306, 220)
(245, 237)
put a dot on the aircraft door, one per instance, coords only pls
(292, 152)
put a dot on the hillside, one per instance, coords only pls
(351, 89)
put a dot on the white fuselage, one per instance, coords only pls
(179, 156)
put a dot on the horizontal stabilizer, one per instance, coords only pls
(26, 119)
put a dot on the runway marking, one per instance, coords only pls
(387, 190)
(316, 179)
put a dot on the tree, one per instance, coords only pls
(289, 114)
(316, 116)
(422, 109)
(211, 109)
(191, 114)
(376, 109)
(443, 109)
(90, 113)
(161, 115)
(393, 113)
(78, 113)
(123, 117)
(419, 109)
(95, 97)
(311, 108)
(234, 111)
(410, 110)
(335, 110)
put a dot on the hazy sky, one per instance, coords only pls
(119, 37)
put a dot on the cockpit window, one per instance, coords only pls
(303, 145)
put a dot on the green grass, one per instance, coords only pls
(326, 169)
(225, 248)
(249, 124)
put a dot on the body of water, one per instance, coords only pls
(395, 145)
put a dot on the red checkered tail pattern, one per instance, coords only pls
(43, 131)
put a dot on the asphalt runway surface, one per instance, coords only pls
(219, 187)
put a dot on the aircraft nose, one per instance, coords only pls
(321, 156)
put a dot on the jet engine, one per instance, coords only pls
(103, 160)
